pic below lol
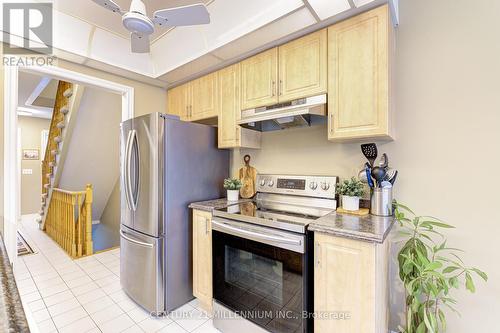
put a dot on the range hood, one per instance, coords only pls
(301, 112)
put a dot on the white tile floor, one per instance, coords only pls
(64, 295)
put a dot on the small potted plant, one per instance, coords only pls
(351, 190)
(232, 185)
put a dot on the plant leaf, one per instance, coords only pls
(469, 283)
(480, 273)
(450, 269)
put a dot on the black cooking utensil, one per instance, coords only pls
(379, 174)
(370, 151)
(393, 178)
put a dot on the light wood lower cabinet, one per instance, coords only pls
(359, 77)
(202, 258)
(231, 135)
(350, 285)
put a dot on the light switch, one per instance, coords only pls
(27, 171)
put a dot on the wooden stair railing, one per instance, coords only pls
(69, 221)
(64, 92)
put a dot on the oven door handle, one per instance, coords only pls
(257, 235)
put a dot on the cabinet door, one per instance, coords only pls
(204, 97)
(258, 80)
(358, 76)
(178, 101)
(344, 278)
(229, 107)
(303, 67)
(202, 258)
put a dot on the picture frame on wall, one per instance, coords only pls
(31, 154)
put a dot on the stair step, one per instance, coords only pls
(58, 139)
(49, 175)
(44, 196)
(52, 164)
(40, 212)
(54, 152)
(61, 125)
(64, 110)
(68, 93)
(38, 220)
(46, 186)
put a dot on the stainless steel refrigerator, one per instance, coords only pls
(165, 165)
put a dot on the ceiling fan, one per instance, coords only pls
(141, 26)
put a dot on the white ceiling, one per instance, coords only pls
(88, 34)
(88, 11)
(35, 91)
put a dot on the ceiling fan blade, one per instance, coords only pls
(140, 43)
(110, 5)
(185, 15)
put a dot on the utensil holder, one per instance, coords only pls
(381, 202)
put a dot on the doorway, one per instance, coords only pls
(12, 164)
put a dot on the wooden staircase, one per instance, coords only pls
(65, 216)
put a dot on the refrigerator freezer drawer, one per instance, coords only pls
(141, 269)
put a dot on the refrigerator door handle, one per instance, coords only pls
(126, 168)
(128, 172)
(134, 191)
(135, 241)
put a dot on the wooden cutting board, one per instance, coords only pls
(248, 177)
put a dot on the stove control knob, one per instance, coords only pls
(270, 183)
(262, 182)
(313, 185)
(325, 186)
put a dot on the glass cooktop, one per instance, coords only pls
(280, 216)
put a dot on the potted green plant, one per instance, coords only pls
(232, 185)
(351, 190)
(430, 272)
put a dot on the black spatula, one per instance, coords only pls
(370, 151)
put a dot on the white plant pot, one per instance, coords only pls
(350, 203)
(233, 195)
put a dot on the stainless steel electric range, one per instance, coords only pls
(263, 255)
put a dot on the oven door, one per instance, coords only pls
(259, 273)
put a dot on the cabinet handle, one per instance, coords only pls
(317, 254)
(274, 88)
(281, 88)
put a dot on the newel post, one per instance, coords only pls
(88, 223)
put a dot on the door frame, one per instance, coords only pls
(12, 187)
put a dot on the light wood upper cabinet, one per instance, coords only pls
(178, 101)
(358, 76)
(204, 97)
(229, 106)
(202, 258)
(259, 76)
(350, 279)
(303, 67)
(231, 135)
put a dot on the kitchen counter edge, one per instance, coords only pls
(210, 205)
(369, 228)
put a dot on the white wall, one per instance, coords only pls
(447, 121)
(93, 153)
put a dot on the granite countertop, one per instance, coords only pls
(210, 205)
(12, 318)
(369, 228)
